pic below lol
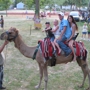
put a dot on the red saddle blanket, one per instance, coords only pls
(47, 48)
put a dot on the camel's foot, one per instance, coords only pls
(37, 86)
(80, 86)
(88, 88)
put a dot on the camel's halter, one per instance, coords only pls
(11, 37)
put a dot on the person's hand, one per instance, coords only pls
(6, 42)
(67, 41)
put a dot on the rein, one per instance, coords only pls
(9, 36)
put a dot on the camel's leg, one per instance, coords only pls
(41, 76)
(85, 69)
(45, 76)
(88, 72)
(84, 74)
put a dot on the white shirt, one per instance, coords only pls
(85, 28)
(57, 32)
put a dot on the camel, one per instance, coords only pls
(13, 35)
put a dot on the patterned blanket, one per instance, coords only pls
(47, 49)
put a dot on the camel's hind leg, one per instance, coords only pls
(41, 76)
(88, 72)
(85, 70)
(84, 75)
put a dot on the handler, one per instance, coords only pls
(1, 65)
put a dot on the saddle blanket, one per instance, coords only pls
(47, 49)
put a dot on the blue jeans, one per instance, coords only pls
(64, 47)
(1, 75)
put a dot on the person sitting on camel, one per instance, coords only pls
(50, 34)
(56, 33)
(74, 29)
(65, 34)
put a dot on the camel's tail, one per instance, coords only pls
(85, 57)
(81, 51)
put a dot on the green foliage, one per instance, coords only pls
(29, 3)
(76, 2)
(4, 4)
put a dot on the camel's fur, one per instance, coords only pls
(28, 52)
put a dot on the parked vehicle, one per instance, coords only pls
(76, 15)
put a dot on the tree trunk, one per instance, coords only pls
(37, 9)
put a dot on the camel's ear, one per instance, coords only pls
(17, 31)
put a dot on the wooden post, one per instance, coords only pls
(30, 29)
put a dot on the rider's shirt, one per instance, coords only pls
(64, 23)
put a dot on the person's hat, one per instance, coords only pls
(47, 23)
(61, 13)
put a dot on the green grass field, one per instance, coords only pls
(21, 73)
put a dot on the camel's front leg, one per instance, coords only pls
(45, 76)
(41, 76)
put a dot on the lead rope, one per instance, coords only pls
(5, 55)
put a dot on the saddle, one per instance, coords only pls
(46, 48)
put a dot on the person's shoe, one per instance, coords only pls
(54, 53)
(2, 88)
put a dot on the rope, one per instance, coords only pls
(5, 55)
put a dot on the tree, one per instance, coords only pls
(89, 8)
(29, 3)
(4, 4)
(78, 2)
(37, 8)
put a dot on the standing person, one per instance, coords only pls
(84, 31)
(1, 65)
(74, 29)
(88, 19)
(65, 34)
(89, 32)
(2, 22)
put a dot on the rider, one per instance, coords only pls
(56, 33)
(64, 35)
(74, 29)
(50, 34)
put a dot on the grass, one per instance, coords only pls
(21, 73)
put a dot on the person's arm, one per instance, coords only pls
(73, 32)
(65, 24)
(63, 31)
(87, 27)
(2, 47)
(46, 29)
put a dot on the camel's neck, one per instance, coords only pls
(23, 48)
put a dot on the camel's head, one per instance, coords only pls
(9, 35)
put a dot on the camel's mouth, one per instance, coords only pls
(9, 35)
(3, 36)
